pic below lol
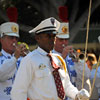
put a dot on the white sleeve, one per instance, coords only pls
(22, 81)
(7, 69)
(70, 90)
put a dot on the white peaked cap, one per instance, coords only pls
(10, 29)
(50, 24)
(63, 31)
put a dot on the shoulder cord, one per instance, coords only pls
(62, 61)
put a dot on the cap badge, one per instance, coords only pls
(52, 20)
(64, 29)
(14, 28)
(42, 66)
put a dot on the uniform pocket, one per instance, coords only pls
(42, 73)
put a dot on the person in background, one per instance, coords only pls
(91, 60)
(92, 64)
(9, 35)
(25, 48)
(99, 67)
(38, 82)
(97, 81)
(24, 51)
(62, 47)
(74, 66)
(79, 67)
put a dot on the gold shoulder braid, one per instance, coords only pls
(62, 61)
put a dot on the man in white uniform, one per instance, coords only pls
(9, 34)
(34, 78)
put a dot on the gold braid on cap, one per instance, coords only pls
(14, 28)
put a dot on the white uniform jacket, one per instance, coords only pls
(34, 79)
(7, 70)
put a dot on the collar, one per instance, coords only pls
(7, 55)
(41, 51)
(54, 51)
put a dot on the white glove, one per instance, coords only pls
(82, 95)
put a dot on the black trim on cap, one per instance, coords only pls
(45, 28)
(47, 32)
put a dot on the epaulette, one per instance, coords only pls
(0, 54)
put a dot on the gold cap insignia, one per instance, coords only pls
(14, 28)
(64, 29)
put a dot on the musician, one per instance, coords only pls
(35, 78)
(74, 67)
(61, 47)
(9, 35)
(24, 51)
(25, 48)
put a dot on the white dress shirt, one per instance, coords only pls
(7, 70)
(34, 79)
